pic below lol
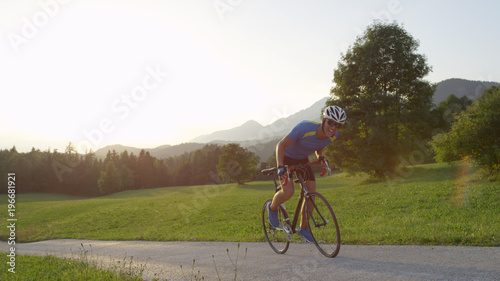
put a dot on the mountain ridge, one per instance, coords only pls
(460, 87)
(262, 139)
(252, 130)
(251, 135)
(249, 127)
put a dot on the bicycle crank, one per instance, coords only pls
(288, 232)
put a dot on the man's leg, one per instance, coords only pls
(311, 186)
(303, 231)
(279, 197)
(282, 196)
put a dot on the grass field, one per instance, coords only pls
(432, 205)
(50, 268)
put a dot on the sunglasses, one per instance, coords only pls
(333, 123)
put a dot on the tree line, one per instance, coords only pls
(77, 174)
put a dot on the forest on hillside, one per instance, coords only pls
(85, 175)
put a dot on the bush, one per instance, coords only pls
(474, 134)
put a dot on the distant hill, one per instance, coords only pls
(460, 88)
(101, 153)
(251, 135)
(164, 151)
(264, 149)
(240, 133)
(252, 130)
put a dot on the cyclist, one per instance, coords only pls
(305, 138)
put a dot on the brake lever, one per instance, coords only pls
(327, 168)
(284, 179)
(288, 173)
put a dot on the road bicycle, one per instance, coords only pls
(320, 217)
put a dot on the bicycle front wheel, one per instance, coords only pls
(323, 225)
(276, 236)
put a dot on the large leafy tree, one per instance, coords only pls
(474, 134)
(379, 82)
(237, 164)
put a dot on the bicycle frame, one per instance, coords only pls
(304, 193)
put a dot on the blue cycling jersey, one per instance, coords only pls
(305, 141)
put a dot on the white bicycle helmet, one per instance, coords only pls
(335, 113)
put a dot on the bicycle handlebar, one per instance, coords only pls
(291, 168)
(326, 168)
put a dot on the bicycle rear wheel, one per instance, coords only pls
(323, 225)
(276, 236)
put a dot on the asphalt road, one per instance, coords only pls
(302, 261)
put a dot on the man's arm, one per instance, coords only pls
(319, 152)
(280, 149)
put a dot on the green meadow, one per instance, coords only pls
(433, 204)
(49, 268)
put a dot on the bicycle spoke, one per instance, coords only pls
(323, 225)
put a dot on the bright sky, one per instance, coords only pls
(148, 73)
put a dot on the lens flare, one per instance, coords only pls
(463, 175)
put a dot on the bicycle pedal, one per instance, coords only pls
(288, 232)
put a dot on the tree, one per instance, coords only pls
(145, 170)
(204, 162)
(474, 134)
(378, 81)
(182, 170)
(446, 111)
(91, 176)
(237, 164)
(126, 178)
(110, 180)
(162, 173)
